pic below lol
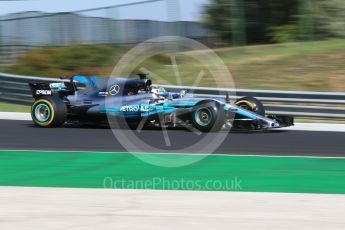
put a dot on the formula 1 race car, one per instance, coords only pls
(135, 101)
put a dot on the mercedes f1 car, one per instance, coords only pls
(134, 101)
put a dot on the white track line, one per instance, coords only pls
(298, 126)
(239, 154)
(15, 116)
(65, 208)
(317, 127)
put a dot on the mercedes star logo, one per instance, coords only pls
(114, 90)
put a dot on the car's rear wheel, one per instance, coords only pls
(48, 112)
(208, 116)
(251, 104)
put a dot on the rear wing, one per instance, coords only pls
(52, 89)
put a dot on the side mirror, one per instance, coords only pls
(227, 98)
(142, 75)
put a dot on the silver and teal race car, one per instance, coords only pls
(135, 102)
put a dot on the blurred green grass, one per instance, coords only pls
(7, 107)
(94, 169)
(312, 66)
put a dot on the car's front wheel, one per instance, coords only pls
(48, 112)
(208, 116)
(251, 104)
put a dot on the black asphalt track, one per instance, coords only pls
(23, 135)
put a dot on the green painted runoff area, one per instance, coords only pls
(214, 172)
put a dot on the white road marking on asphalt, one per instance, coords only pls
(15, 116)
(172, 153)
(317, 127)
(66, 208)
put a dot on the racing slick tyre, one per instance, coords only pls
(251, 104)
(208, 116)
(48, 112)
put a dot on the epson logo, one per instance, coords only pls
(43, 92)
